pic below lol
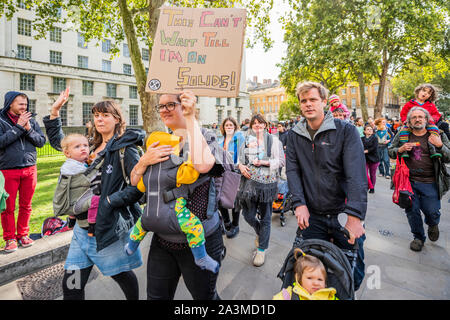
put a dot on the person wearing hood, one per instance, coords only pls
(326, 171)
(20, 135)
(118, 210)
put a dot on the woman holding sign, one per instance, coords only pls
(170, 255)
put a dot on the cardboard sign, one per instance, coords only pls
(198, 50)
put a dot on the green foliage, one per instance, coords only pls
(289, 108)
(333, 41)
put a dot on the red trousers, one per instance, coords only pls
(23, 181)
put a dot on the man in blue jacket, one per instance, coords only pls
(325, 168)
(20, 134)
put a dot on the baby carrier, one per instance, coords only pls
(338, 263)
(71, 188)
(162, 192)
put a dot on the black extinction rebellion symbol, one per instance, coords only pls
(154, 84)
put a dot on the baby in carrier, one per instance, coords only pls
(310, 280)
(188, 222)
(76, 149)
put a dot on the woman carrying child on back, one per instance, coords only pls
(117, 209)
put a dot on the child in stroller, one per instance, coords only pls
(310, 280)
(283, 201)
(339, 265)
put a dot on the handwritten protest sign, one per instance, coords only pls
(198, 49)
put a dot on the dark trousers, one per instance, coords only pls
(425, 199)
(165, 266)
(226, 216)
(325, 227)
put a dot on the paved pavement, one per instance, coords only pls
(393, 271)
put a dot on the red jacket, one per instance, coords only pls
(428, 105)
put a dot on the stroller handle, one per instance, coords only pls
(299, 237)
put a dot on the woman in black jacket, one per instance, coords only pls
(118, 209)
(370, 143)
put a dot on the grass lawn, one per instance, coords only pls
(47, 178)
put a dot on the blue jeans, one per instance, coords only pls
(425, 199)
(384, 166)
(261, 226)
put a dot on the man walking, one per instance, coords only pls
(325, 168)
(425, 173)
(20, 134)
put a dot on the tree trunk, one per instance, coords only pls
(149, 115)
(362, 94)
(380, 96)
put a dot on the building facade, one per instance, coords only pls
(43, 68)
(266, 98)
(350, 96)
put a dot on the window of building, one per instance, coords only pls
(127, 68)
(238, 116)
(83, 62)
(228, 113)
(27, 82)
(63, 115)
(55, 57)
(80, 42)
(133, 92)
(126, 51)
(111, 90)
(237, 101)
(106, 46)
(55, 34)
(228, 101)
(32, 106)
(269, 99)
(106, 65)
(23, 52)
(24, 27)
(375, 88)
(366, 89)
(275, 98)
(353, 89)
(59, 85)
(87, 112)
(217, 101)
(22, 5)
(88, 88)
(219, 116)
(145, 55)
(353, 102)
(133, 115)
(344, 102)
(343, 91)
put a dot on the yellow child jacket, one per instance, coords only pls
(186, 173)
(322, 294)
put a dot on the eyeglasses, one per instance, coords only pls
(170, 106)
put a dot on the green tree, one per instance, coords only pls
(354, 40)
(133, 21)
(436, 72)
(289, 108)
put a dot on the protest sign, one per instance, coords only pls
(197, 49)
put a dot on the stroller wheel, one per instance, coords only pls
(283, 221)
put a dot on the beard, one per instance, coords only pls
(418, 126)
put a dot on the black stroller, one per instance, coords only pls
(339, 264)
(283, 202)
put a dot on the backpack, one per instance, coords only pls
(53, 225)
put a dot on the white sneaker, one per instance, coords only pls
(258, 259)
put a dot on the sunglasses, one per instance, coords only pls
(170, 106)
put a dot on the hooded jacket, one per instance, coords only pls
(428, 105)
(18, 145)
(328, 173)
(118, 207)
